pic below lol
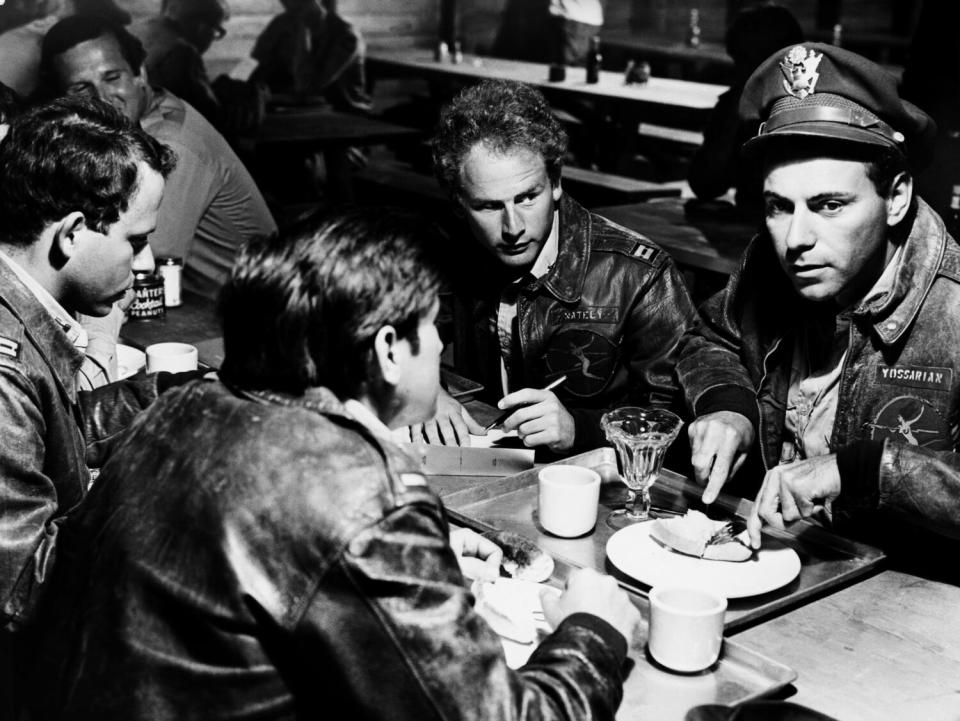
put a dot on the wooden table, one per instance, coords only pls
(884, 649)
(663, 101)
(701, 241)
(305, 129)
(322, 128)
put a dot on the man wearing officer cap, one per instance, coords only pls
(833, 354)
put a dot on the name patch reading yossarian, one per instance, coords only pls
(940, 379)
(593, 314)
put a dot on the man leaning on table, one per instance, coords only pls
(279, 557)
(212, 204)
(555, 290)
(836, 345)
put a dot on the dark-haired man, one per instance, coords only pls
(568, 292)
(278, 555)
(836, 346)
(212, 205)
(175, 41)
(62, 253)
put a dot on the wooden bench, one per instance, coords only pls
(399, 183)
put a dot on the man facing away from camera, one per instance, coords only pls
(555, 290)
(279, 555)
(836, 345)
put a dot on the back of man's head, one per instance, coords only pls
(72, 154)
(76, 29)
(502, 115)
(302, 310)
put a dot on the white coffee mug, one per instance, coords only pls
(172, 357)
(686, 627)
(568, 498)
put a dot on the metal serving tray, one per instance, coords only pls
(650, 691)
(509, 503)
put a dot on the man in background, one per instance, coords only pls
(309, 49)
(557, 31)
(212, 205)
(175, 41)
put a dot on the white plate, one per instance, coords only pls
(523, 597)
(129, 361)
(634, 552)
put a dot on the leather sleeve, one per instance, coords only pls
(919, 486)
(109, 410)
(29, 531)
(709, 368)
(415, 648)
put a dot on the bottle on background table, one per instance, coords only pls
(693, 31)
(594, 60)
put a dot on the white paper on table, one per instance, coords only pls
(474, 460)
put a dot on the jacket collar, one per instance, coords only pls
(54, 345)
(565, 281)
(892, 313)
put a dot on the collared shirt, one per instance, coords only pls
(815, 387)
(506, 320)
(362, 414)
(91, 373)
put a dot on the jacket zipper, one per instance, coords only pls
(763, 379)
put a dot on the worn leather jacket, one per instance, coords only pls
(900, 381)
(49, 435)
(252, 555)
(609, 314)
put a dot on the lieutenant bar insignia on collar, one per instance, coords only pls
(799, 67)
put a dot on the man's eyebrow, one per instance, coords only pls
(831, 195)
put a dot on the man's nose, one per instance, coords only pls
(143, 260)
(800, 234)
(512, 223)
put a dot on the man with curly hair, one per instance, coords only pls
(568, 292)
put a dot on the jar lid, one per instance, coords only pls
(169, 260)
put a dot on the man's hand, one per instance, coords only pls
(794, 491)
(591, 592)
(539, 419)
(451, 426)
(719, 443)
(478, 557)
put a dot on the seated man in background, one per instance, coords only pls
(175, 41)
(839, 337)
(753, 36)
(279, 556)
(555, 290)
(212, 205)
(23, 23)
(61, 253)
(548, 31)
(310, 50)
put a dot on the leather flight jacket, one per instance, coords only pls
(248, 554)
(51, 435)
(899, 385)
(609, 314)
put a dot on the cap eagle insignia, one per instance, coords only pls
(799, 68)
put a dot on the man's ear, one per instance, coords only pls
(385, 350)
(899, 198)
(66, 236)
(557, 191)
